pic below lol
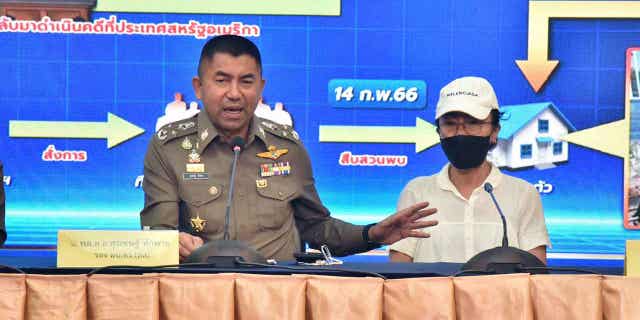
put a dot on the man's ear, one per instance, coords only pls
(262, 82)
(494, 135)
(197, 86)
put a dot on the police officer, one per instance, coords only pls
(187, 170)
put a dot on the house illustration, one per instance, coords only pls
(530, 137)
(177, 110)
(278, 114)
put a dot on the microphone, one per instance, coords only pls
(227, 253)
(236, 145)
(489, 189)
(504, 259)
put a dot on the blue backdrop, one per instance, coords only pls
(81, 77)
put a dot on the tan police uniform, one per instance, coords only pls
(187, 170)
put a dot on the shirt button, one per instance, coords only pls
(213, 191)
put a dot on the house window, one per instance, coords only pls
(557, 148)
(525, 151)
(543, 126)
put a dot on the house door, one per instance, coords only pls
(543, 152)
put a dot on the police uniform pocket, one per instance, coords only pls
(273, 208)
(205, 214)
(199, 194)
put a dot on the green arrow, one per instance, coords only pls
(424, 134)
(116, 130)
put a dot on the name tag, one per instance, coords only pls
(99, 248)
(195, 176)
(632, 258)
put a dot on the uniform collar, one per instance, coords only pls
(207, 132)
(444, 182)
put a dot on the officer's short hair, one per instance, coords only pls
(230, 44)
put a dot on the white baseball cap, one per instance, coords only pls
(471, 95)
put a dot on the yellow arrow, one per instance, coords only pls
(116, 130)
(424, 134)
(611, 138)
(537, 68)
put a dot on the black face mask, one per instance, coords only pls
(466, 152)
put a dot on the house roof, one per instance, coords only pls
(517, 116)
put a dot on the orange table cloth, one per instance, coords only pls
(248, 296)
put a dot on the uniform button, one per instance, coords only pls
(213, 190)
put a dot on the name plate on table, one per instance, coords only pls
(99, 248)
(632, 258)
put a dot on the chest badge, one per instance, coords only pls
(273, 153)
(194, 156)
(193, 162)
(261, 183)
(198, 224)
(186, 144)
(275, 169)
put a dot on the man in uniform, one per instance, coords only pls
(188, 165)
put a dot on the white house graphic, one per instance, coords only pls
(177, 110)
(530, 136)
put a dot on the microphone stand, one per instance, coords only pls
(227, 213)
(504, 259)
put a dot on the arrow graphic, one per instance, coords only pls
(424, 134)
(116, 130)
(537, 68)
(611, 138)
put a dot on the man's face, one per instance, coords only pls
(229, 88)
(458, 123)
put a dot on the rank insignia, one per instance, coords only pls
(162, 134)
(204, 135)
(273, 153)
(261, 183)
(194, 156)
(186, 144)
(275, 169)
(198, 224)
(186, 125)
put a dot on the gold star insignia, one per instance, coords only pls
(198, 224)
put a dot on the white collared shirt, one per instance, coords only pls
(467, 227)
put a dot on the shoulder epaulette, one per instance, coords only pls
(280, 130)
(177, 129)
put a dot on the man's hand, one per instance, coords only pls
(403, 224)
(188, 243)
